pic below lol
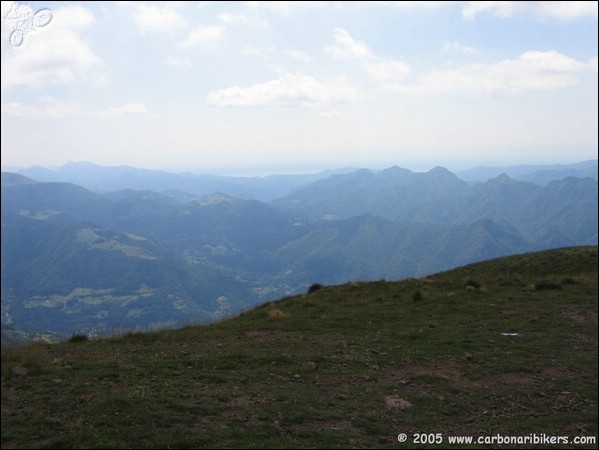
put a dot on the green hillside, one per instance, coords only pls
(504, 347)
(74, 261)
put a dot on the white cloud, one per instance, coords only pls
(178, 63)
(299, 55)
(452, 46)
(285, 8)
(128, 109)
(242, 19)
(386, 70)
(54, 54)
(204, 36)
(289, 90)
(208, 35)
(568, 10)
(500, 9)
(411, 5)
(532, 71)
(158, 18)
(347, 48)
(232, 18)
(263, 52)
(48, 108)
(380, 69)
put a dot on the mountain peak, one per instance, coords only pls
(441, 171)
(396, 170)
(502, 179)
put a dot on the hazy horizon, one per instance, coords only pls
(254, 88)
(263, 172)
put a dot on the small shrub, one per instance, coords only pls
(309, 302)
(78, 338)
(474, 284)
(547, 286)
(315, 287)
(417, 296)
(277, 314)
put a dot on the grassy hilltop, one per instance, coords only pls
(507, 346)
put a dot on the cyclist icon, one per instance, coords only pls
(24, 21)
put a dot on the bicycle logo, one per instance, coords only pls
(23, 21)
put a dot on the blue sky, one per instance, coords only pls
(258, 87)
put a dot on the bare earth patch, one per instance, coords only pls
(579, 316)
(395, 402)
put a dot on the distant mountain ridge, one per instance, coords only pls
(78, 261)
(394, 194)
(537, 174)
(440, 197)
(106, 179)
(188, 185)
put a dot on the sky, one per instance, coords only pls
(290, 87)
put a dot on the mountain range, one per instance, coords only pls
(538, 174)
(185, 185)
(78, 261)
(188, 185)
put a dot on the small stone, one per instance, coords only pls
(56, 381)
(20, 371)
(393, 401)
(404, 404)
